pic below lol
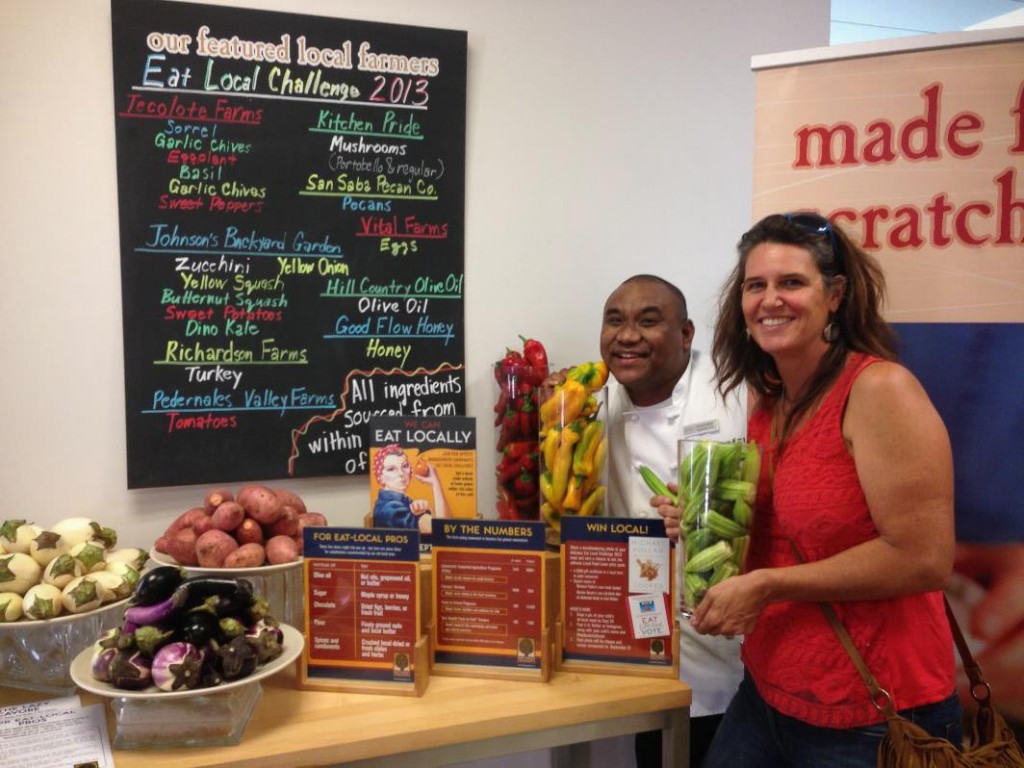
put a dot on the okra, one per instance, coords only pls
(751, 463)
(697, 540)
(694, 587)
(657, 485)
(722, 526)
(730, 490)
(740, 546)
(723, 571)
(693, 507)
(730, 457)
(708, 558)
(742, 513)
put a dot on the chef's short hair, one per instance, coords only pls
(672, 288)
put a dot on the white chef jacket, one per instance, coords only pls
(650, 435)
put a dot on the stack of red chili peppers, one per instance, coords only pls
(519, 375)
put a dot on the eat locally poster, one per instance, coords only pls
(916, 152)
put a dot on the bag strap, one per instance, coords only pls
(880, 698)
(980, 690)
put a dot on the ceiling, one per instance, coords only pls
(857, 21)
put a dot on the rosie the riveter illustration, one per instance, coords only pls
(394, 508)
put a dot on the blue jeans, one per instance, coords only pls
(754, 735)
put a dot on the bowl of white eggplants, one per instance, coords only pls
(61, 584)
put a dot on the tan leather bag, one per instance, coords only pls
(990, 741)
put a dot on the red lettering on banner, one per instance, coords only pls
(919, 138)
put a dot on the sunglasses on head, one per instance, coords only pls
(818, 225)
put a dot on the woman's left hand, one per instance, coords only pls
(731, 607)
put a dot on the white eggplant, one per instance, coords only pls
(134, 556)
(17, 535)
(10, 606)
(61, 570)
(85, 594)
(18, 572)
(46, 546)
(117, 585)
(43, 601)
(126, 571)
(76, 530)
(90, 554)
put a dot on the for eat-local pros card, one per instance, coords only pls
(421, 471)
(362, 593)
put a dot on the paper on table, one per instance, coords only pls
(55, 733)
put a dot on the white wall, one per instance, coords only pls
(604, 139)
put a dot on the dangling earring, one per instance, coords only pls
(830, 332)
(747, 331)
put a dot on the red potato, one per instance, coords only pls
(290, 499)
(213, 547)
(251, 555)
(260, 503)
(216, 497)
(282, 549)
(181, 545)
(227, 516)
(306, 520)
(249, 532)
(286, 525)
(188, 519)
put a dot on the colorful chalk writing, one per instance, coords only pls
(291, 202)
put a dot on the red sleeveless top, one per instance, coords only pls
(793, 655)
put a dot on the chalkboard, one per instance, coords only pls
(291, 195)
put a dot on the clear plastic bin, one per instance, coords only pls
(213, 719)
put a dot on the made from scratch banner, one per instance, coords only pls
(919, 155)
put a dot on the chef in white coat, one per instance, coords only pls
(659, 392)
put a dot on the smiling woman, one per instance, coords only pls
(857, 464)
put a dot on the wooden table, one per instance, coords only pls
(457, 719)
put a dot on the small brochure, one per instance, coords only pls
(617, 593)
(55, 732)
(363, 621)
(421, 471)
(490, 597)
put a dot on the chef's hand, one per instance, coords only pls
(672, 515)
(549, 384)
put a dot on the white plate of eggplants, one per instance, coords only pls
(186, 635)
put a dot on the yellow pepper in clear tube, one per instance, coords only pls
(597, 462)
(573, 494)
(562, 467)
(563, 406)
(550, 446)
(551, 516)
(593, 376)
(548, 492)
(593, 504)
(586, 448)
